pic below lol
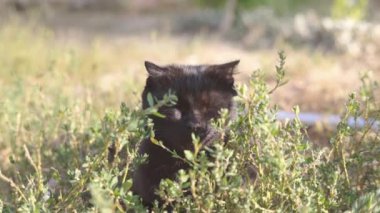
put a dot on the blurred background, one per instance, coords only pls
(86, 56)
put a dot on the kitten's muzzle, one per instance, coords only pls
(206, 134)
(197, 128)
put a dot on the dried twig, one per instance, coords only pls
(12, 184)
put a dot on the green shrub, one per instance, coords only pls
(349, 9)
(89, 169)
(280, 7)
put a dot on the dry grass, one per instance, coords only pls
(43, 70)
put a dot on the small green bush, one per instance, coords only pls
(349, 9)
(280, 7)
(89, 169)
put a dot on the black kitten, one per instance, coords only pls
(201, 91)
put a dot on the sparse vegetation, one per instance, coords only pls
(55, 139)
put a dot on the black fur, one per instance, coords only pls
(201, 91)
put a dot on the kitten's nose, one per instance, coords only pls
(197, 128)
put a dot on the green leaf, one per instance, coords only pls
(113, 182)
(157, 114)
(132, 125)
(150, 99)
(127, 184)
(154, 141)
(189, 155)
(183, 177)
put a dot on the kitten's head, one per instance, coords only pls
(202, 91)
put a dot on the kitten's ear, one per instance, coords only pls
(154, 70)
(229, 67)
(224, 71)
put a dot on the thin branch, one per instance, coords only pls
(12, 185)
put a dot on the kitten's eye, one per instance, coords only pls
(171, 113)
